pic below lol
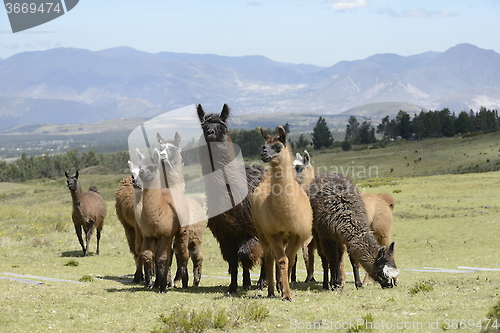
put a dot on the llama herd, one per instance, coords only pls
(282, 207)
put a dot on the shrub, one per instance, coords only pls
(346, 146)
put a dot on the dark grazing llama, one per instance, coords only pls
(89, 212)
(232, 228)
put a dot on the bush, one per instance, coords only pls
(346, 145)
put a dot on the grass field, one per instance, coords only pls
(441, 222)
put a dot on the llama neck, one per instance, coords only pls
(283, 184)
(137, 203)
(77, 195)
(174, 178)
(364, 249)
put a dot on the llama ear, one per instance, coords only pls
(177, 139)
(390, 250)
(76, 174)
(201, 113)
(159, 138)
(224, 115)
(298, 157)
(307, 158)
(156, 156)
(282, 135)
(139, 154)
(264, 134)
(381, 253)
(66, 174)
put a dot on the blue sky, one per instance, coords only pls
(319, 32)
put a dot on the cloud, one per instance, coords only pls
(343, 5)
(37, 44)
(254, 3)
(416, 13)
(11, 47)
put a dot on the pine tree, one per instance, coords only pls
(322, 137)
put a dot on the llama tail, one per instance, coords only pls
(250, 253)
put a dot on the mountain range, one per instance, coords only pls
(69, 85)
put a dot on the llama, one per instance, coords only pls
(340, 222)
(233, 229)
(281, 212)
(171, 157)
(126, 206)
(160, 223)
(89, 212)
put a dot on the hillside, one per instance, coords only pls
(68, 85)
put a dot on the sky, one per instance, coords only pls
(317, 32)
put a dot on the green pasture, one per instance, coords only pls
(443, 221)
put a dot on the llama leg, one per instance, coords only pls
(197, 259)
(269, 270)
(164, 257)
(181, 248)
(78, 229)
(98, 239)
(338, 267)
(310, 262)
(138, 276)
(262, 277)
(277, 246)
(324, 264)
(293, 270)
(88, 235)
(147, 259)
(355, 270)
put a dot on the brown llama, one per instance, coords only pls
(379, 207)
(233, 228)
(340, 222)
(171, 157)
(125, 205)
(379, 217)
(89, 212)
(160, 224)
(281, 212)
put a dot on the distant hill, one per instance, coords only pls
(80, 86)
(377, 111)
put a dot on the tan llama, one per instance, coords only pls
(281, 213)
(171, 157)
(160, 223)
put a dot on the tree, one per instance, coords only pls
(322, 137)
(403, 121)
(302, 142)
(366, 132)
(463, 124)
(352, 130)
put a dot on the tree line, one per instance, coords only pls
(52, 166)
(428, 124)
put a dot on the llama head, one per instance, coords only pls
(148, 170)
(72, 181)
(170, 152)
(214, 125)
(274, 146)
(303, 169)
(387, 271)
(136, 180)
